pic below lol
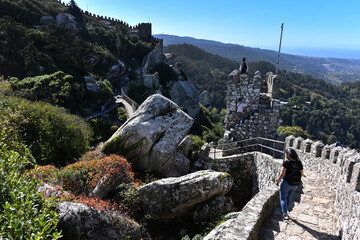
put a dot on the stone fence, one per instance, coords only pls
(341, 166)
(254, 182)
(143, 28)
(129, 100)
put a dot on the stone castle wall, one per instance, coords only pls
(255, 174)
(155, 57)
(262, 113)
(144, 29)
(341, 166)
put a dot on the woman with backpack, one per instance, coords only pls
(290, 177)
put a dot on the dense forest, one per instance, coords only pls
(314, 109)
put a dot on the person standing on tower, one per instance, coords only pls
(243, 67)
(240, 108)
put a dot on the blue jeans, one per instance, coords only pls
(286, 193)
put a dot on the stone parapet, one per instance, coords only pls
(254, 178)
(246, 224)
(341, 166)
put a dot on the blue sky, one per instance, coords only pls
(311, 27)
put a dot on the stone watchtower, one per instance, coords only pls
(262, 114)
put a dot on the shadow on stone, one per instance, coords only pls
(316, 234)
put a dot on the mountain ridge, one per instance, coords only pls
(334, 70)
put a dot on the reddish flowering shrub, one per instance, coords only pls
(93, 155)
(83, 176)
(46, 173)
(101, 205)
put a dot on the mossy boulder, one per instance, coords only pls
(150, 138)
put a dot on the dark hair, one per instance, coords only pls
(240, 99)
(244, 59)
(293, 154)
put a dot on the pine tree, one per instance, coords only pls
(75, 11)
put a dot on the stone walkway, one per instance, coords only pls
(312, 216)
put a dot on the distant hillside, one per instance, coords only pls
(333, 70)
(209, 72)
(322, 110)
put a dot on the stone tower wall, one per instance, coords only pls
(262, 110)
(341, 166)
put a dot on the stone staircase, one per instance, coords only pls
(312, 215)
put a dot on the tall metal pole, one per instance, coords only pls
(278, 58)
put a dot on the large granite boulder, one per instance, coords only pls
(149, 139)
(68, 21)
(175, 197)
(79, 221)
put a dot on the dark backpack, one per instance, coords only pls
(243, 68)
(295, 176)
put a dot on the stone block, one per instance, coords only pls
(334, 153)
(297, 143)
(317, 148)
(325, 154)
(289, 141)
(306, 146)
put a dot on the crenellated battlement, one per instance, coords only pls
(262, 113)
(341, 166)
(144, 29)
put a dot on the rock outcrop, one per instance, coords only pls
(116, 71)
(184, 93)
(68, 21)
(45, 20)
(214, 207)
(91, 84)
(79, 221)
(175, 197)
(204, 98)
(149, 139)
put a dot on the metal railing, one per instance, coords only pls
(272, 147)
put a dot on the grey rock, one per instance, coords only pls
(204, 98)
(89, 79)
(51, 191)
(186, 146)
(110, 181)
(45, 20)
(92, 87)
(175, 197)
(116, 71)
(68, 21)
(212, 208)
(79, 221)
(149, 139)
(152, 81)
(184, 93)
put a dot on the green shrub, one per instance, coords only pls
(296, 131)
(130, 198)
(47, 173)
(101, 128)
(198, 142)
(23, 212)
(54, 88)
(53, 135)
